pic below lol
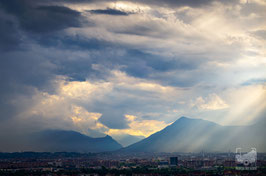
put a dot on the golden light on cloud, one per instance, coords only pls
(84, 119)
(80, 114)
(130, 118)
(122, 80)
(83, 90)
(139, 127)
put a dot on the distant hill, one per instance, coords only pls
(195, 135)
(69, 141)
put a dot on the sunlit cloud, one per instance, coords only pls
(212, 102)
(139, 127)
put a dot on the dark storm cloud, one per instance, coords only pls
(76, 42)
(134, 62)
(80, 68)
(45, 19)
(72, 1)
(41, 19)
(142, 64)
(10, 36)
(22, 68)
(109, 11)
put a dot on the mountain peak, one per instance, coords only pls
(108, 137)
(183, 118)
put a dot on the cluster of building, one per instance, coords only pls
(162, 161)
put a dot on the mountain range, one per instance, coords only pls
(184, 135)
(196, 135)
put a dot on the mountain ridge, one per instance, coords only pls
(52, 140)
(194, 135)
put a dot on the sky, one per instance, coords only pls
(121, 68)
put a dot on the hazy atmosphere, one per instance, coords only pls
(128, 69)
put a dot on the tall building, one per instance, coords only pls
(173, 161)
